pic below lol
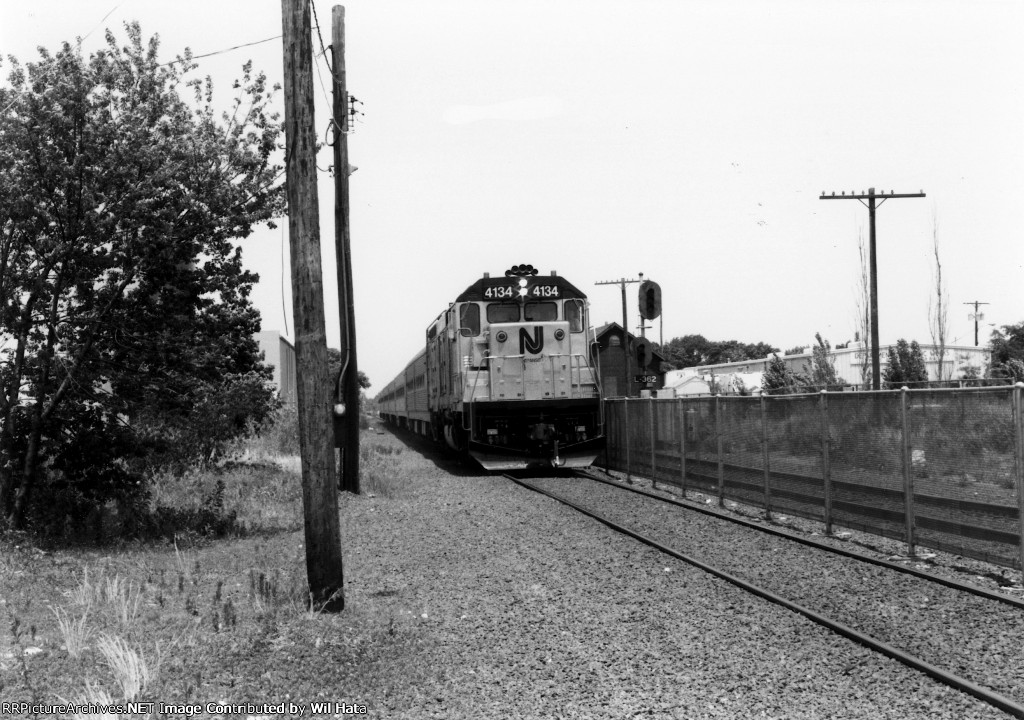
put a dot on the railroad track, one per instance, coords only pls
(861, 557)
(982, 530)
(964, 637)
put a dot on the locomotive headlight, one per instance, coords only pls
(501, 336)
(522, 287)
(559, 334)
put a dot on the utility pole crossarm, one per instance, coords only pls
(871, 196)
(976, 317)
(623, 282)
(880, 196)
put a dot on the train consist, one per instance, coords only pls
(507, 374)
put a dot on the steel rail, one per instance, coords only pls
(954, 584)
(984, 694)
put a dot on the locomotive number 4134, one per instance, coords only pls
(501, 292)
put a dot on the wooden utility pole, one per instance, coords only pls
(870, 196)
(625, 331)
(976, 317)
(319, 480)
(346, 435)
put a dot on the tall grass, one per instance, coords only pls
(76, 633)
(174, 619)
(131, 672)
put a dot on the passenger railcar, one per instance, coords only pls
(507, 374)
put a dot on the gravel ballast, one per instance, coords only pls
(517, 606)
(974, 637)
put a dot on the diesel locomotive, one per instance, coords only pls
(508, 374)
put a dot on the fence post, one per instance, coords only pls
(606, 410)
(764, 458)
(908, 472)
(652, 436)
(1018, 463)
(719, 450)
(629, 439)
(826, 463)
(681, 416)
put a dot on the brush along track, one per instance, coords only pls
(963, 640)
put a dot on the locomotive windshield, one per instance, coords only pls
(540, 311)
(502, 313)
(531, 312)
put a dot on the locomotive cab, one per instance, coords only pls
(511, 375)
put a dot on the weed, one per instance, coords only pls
(95, 697)
(124, 596)
(82, 594)
(129, 667)
(75, 632)
(381, 471)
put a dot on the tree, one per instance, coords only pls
(820, 374)
(778, 379)
(122, 295)
(334, 362)
(938, 309)
(904, 365)
(693, 350)
(1007, 344)
(1007, 348)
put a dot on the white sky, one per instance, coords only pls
(685, 140)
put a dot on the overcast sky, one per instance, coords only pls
(689, 141)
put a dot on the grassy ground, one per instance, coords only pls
(198, 620)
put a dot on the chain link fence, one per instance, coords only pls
(938, 468)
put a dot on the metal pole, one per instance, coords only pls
(1018, 420)
(826, 464)
(908, 474)
(682, 446)
(625, 413)
(765, 459)
(720, 451)
(652, 437)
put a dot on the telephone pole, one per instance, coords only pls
(319, 480)
(976, 317)
(625, 329)
(346, 408)
(871, 196)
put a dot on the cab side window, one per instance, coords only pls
(469, 320)
(574, 315)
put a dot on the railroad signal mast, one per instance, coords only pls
(871, 196)
(650, 303)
